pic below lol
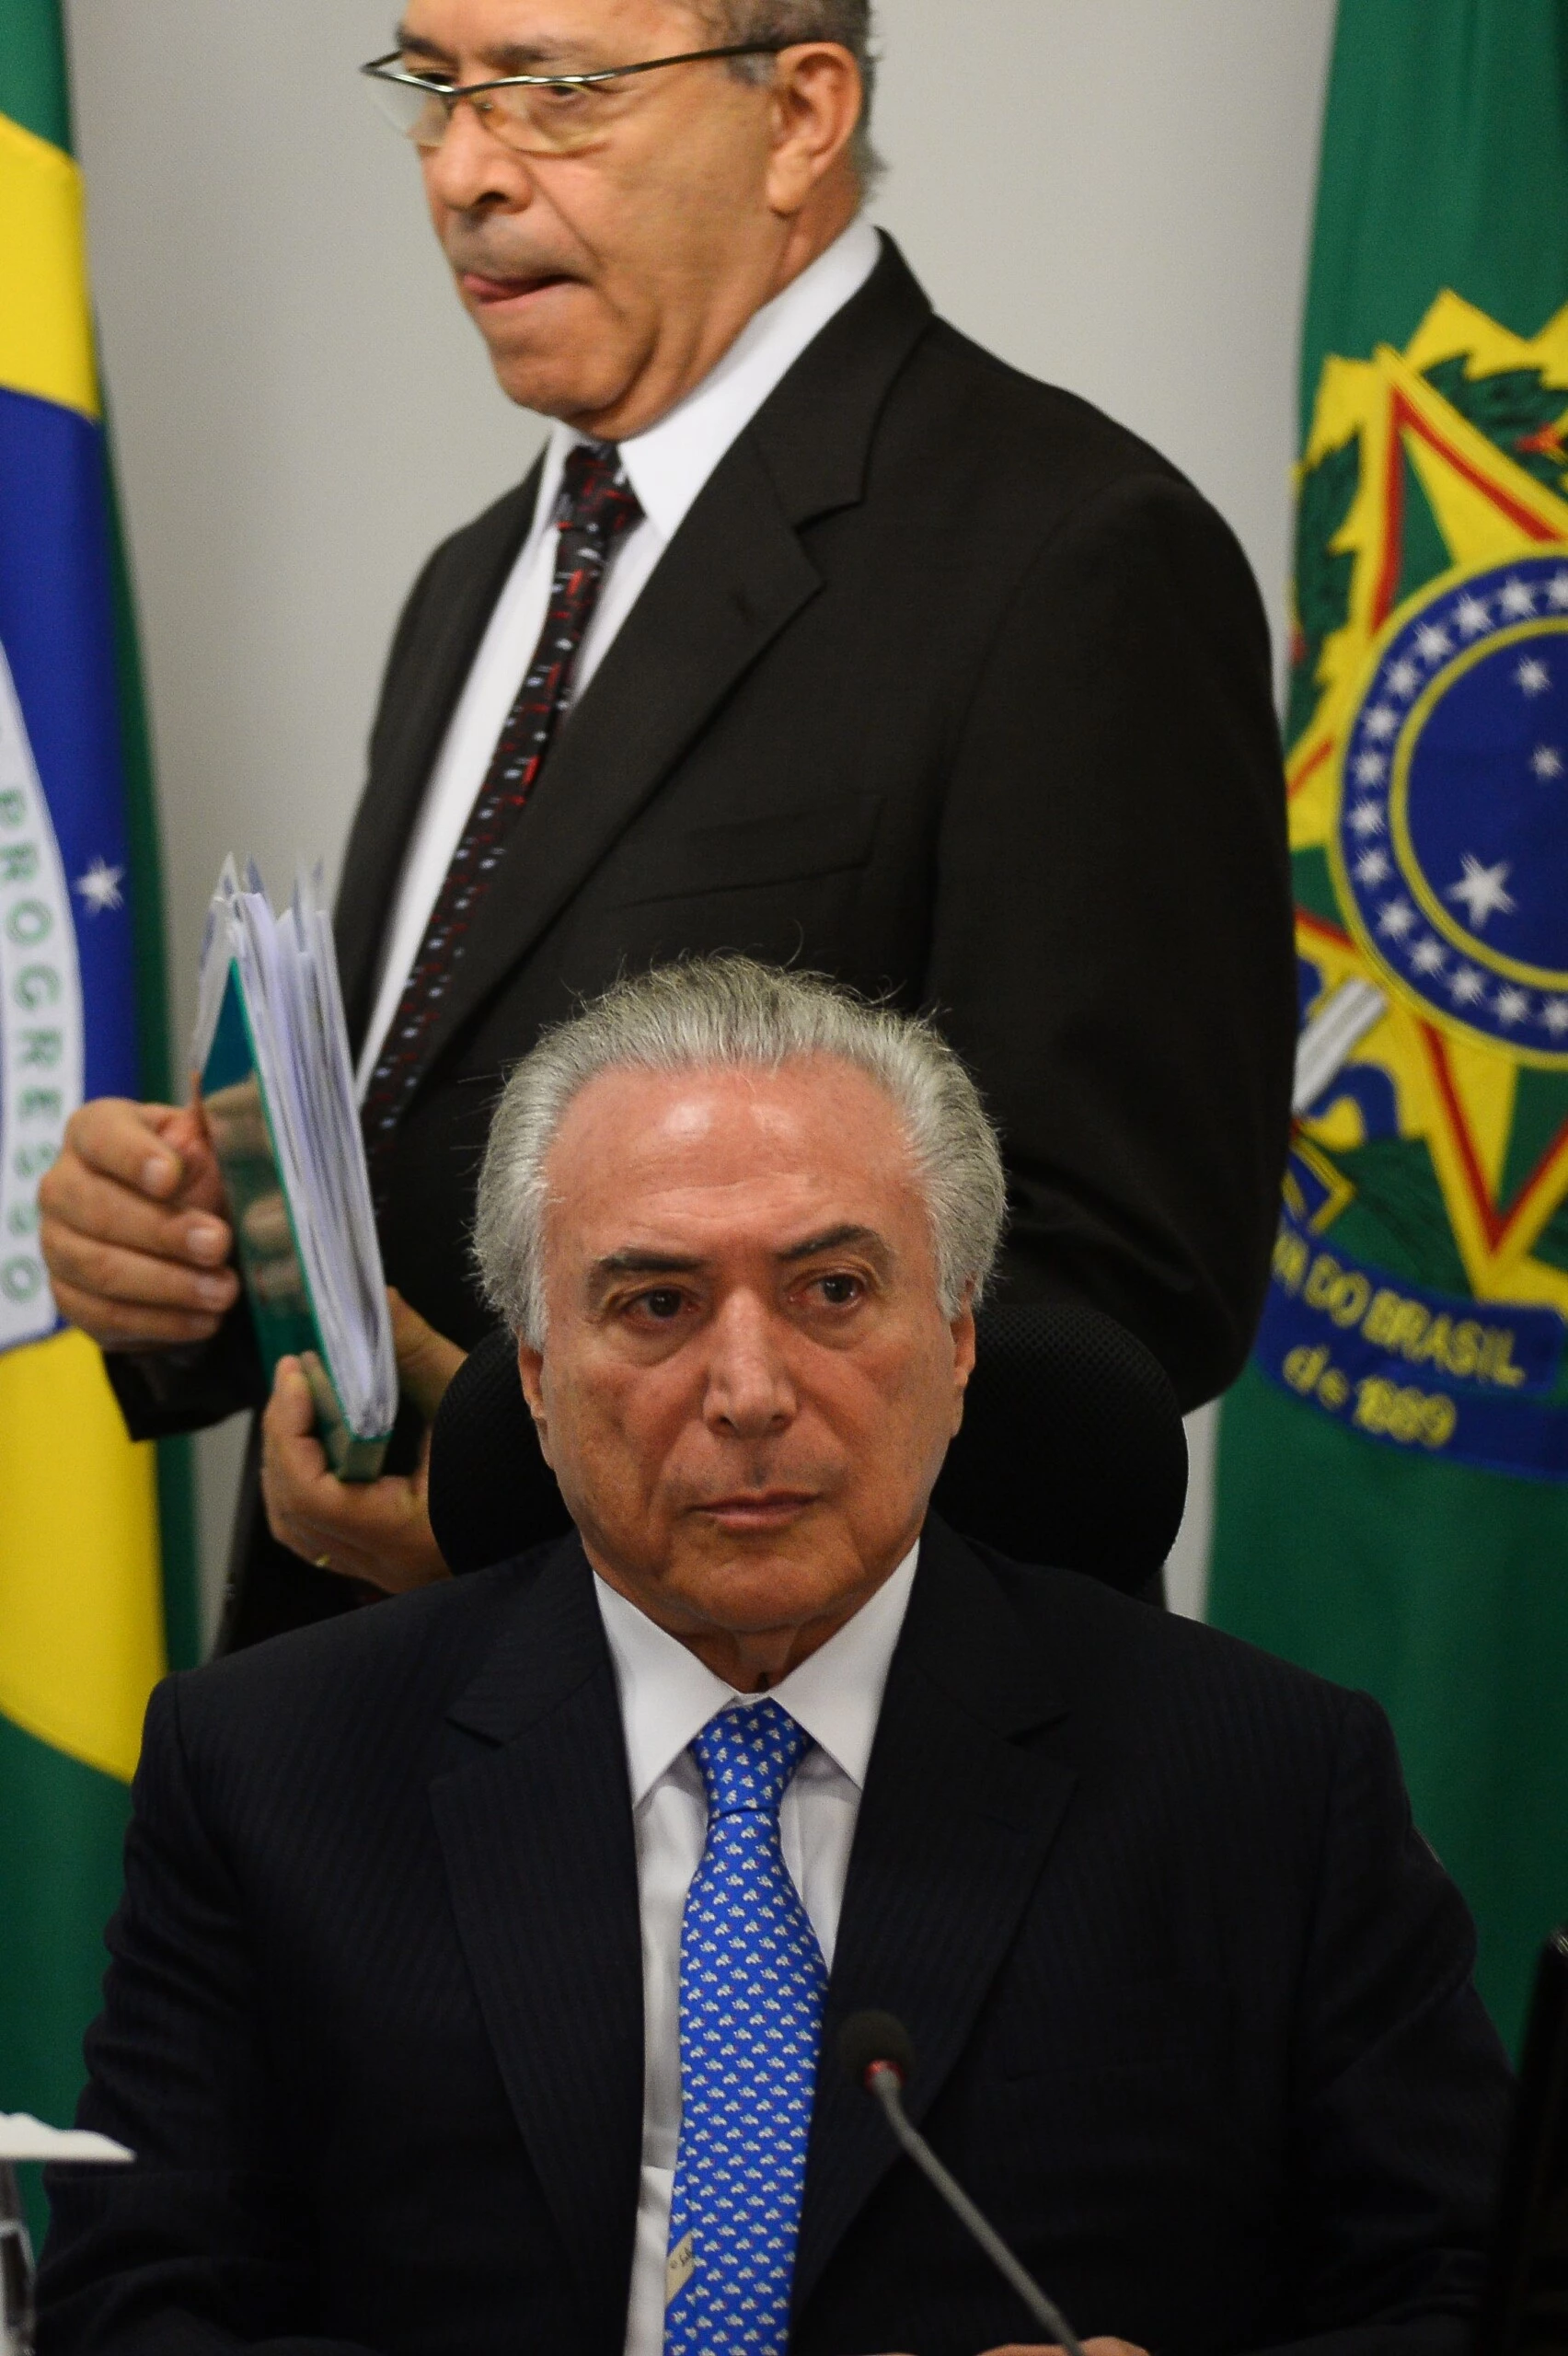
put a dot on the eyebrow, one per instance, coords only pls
(645, 1263)
(836, 1239)
(675, 1263)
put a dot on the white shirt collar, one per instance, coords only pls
(670, 464)
(667, 1696)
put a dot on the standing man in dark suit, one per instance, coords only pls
(482, 1956)
(840, 643)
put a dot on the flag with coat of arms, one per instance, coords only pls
(1392, 1490)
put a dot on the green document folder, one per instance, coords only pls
(294, 1170)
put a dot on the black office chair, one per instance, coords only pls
(1072, 1453)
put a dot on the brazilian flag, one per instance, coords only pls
(1392, 1503)
(88, 1521)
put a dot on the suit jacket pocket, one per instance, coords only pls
(825, 839)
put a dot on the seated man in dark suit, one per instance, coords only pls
(478, 1953)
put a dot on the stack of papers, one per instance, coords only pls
(271, 1056)
(22, 2137)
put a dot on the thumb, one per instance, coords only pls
(426, 1359)
(291, 1411)
(185, 1131)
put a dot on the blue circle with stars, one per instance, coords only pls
(1452, 834)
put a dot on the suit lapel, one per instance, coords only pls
(537, 1830)
(734, 576)
(954, 1827)
(419, 705)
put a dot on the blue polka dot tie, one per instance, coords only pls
(752, 1985)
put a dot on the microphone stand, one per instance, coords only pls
(882, 2081)
(16, 2270)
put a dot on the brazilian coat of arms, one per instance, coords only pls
(1419, 1292)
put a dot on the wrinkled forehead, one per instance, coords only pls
(540, 36)
(726, 1158)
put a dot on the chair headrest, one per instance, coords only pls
(1072, 1452)
(491, 1495)
(1072, 1449)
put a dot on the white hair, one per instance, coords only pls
(847, 22)
(730, 1013)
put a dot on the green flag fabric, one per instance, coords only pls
(97, 1587)
(1392, 1504)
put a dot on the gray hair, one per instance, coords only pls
(730, 1013)
(847, 22)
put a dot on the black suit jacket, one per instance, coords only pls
(1189, 1996)
(951, 687)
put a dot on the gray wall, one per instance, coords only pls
(1112, 194)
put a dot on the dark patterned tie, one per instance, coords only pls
(598, 508)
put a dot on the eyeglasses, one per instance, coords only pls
(538, 114)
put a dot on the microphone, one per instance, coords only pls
(877, 2056)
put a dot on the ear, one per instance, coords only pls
(962, 1331)
(531, 1370)
(818, 99)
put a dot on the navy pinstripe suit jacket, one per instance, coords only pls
(1191, 1999)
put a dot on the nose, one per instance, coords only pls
(472, 170)
(750, 1393)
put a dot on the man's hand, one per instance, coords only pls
(1090, 2347)
(133, 1230)
(376, 1531)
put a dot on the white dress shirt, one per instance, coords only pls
(667, 467)
(666, 1698)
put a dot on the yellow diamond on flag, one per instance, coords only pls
(1432, 778)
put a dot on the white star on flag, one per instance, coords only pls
(1381, 722)
(100, 887)
(1511, 1006)
(1518, 599)
(1370, 768)
(1368, 818)
(1372, 866)
(1403, 677)
(1427, 956)
(1396, 919)
(1466, 985)
(1547, 761)
(1483, 890)
(1533, 676)
(1472, 614)
(1432, 644)
(1557, 592)
(1554, 1014)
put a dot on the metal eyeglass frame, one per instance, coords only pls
(450, 93)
